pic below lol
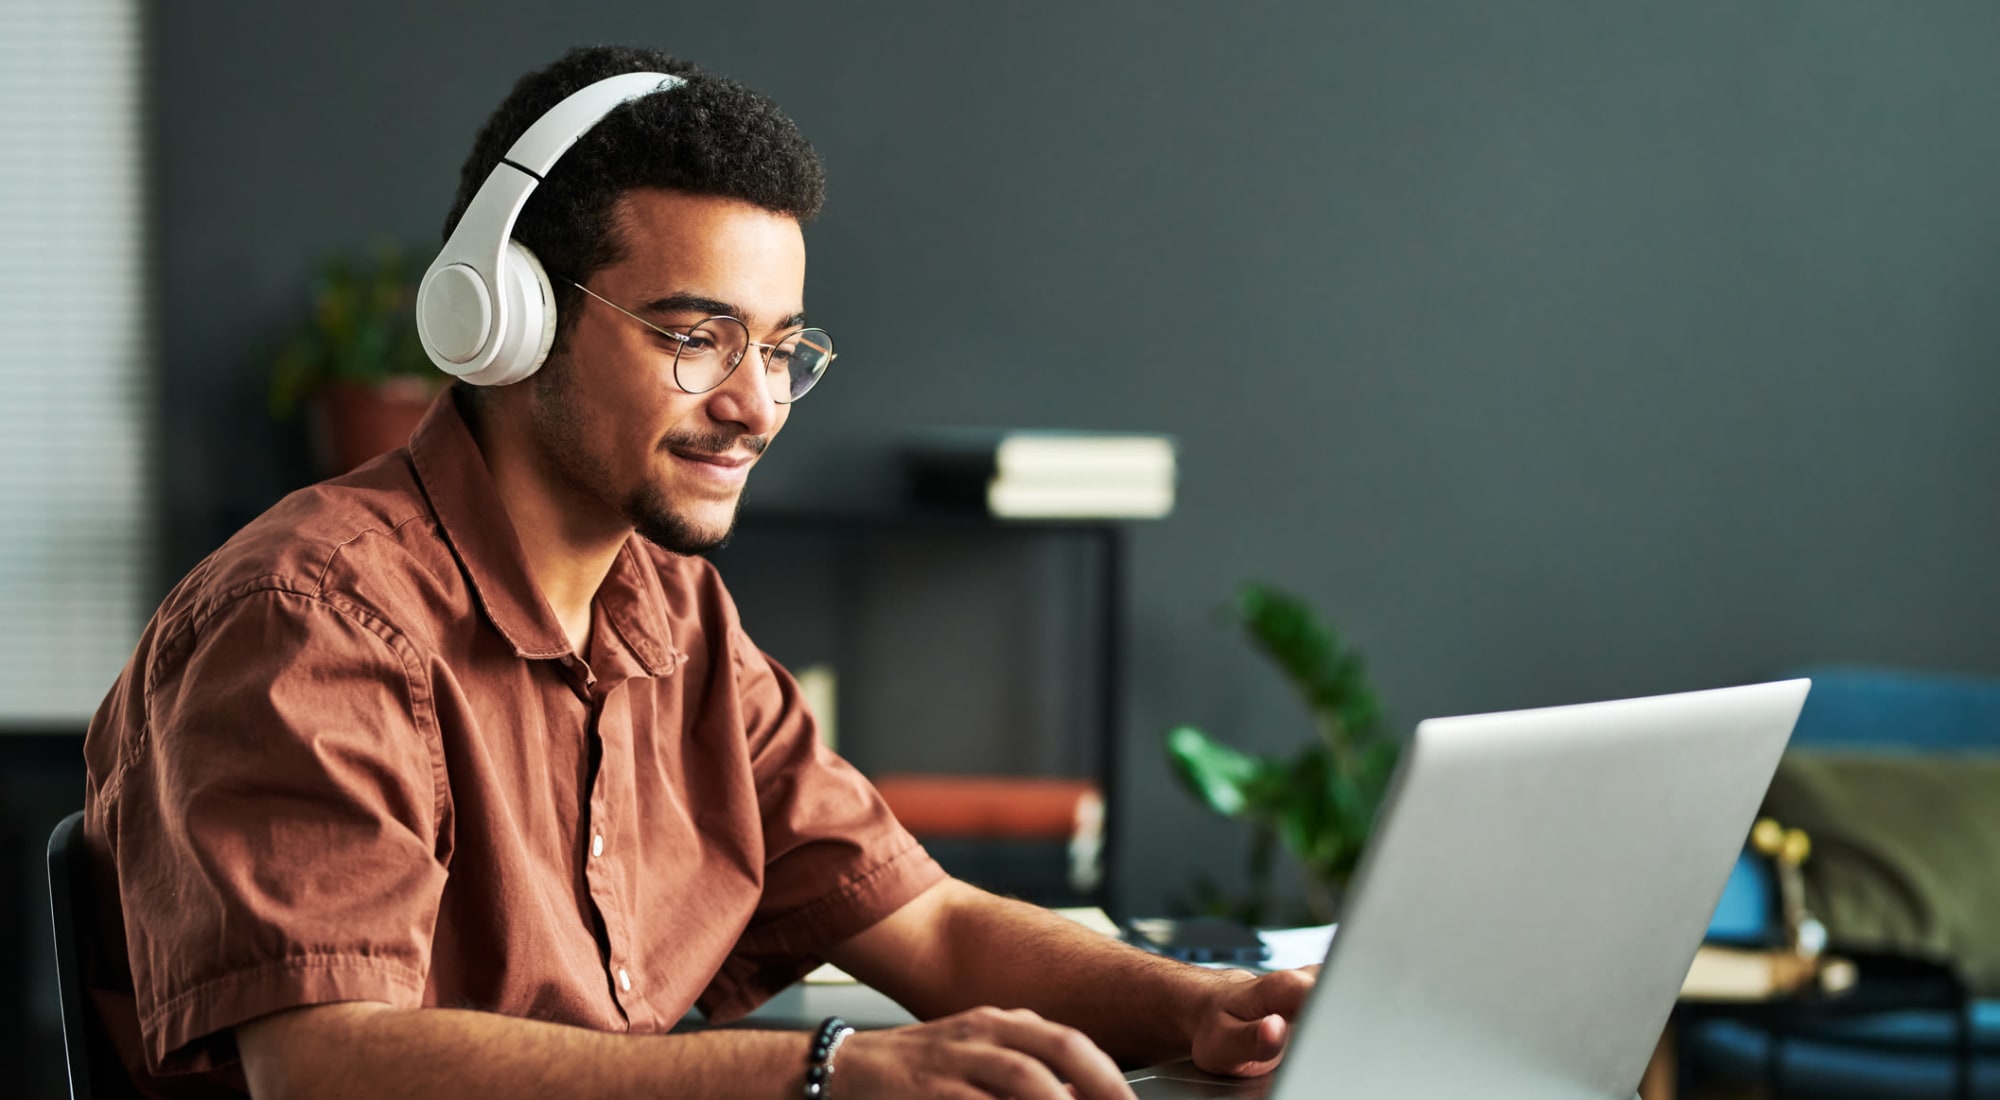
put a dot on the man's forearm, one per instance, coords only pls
(995, 951)
(361, 1050)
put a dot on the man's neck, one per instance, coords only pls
(569, 547)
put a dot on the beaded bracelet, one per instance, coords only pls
(832, 1032)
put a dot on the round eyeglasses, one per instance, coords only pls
(707, 353)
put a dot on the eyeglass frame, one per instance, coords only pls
(764, 352)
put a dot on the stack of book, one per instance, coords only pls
(1043, 474)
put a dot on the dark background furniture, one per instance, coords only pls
(1907, 1021)
(963, 646)
(94, 1070)
(1911, 1023)
(41, 781)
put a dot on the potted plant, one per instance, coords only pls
(1319, 802)
(356, 365)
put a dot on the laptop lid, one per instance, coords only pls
(1533, 897)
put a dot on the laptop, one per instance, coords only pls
(1529, 903)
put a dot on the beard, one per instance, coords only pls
(651, 514)
(564, 438)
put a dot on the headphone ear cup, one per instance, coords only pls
(530, 329)
(538, 323)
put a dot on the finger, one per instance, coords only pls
(1282, 992)
(900, 1062)
(1244, 1048)
(1068, 1052)
(1270, 1035)
(1010, 1073)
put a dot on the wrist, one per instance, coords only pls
(826, 1043)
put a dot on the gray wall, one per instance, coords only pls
(1556, 350)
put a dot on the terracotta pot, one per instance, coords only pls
(354, 421)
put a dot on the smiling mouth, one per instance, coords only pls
(724, 460)
(720, 472)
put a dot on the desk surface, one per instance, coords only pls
(801, 1007)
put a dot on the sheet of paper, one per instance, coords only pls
(829, 974)
(1091, 917)
(1296, 947)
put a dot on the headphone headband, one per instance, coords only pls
(485, 311)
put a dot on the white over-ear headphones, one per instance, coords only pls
(485, 311)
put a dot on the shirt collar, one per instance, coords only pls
(633, 601)
(467, 504)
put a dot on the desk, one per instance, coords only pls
(1715, 977)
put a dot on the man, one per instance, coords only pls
(458, 776)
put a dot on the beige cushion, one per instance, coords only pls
(1905, 851)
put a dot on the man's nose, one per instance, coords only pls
(745, 396)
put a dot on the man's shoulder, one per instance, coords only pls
(346, 540)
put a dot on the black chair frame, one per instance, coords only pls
(95, 1071)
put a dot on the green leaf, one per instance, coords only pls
(1378, 763)
(1304, 816)
(1223, 778)
(1321, 803)
(1347, 806)
(1329, 676)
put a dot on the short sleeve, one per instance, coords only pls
(276, 832)
(836, 859)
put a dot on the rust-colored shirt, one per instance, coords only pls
(355, 758)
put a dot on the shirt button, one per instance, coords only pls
(624, 980)
(597, 845)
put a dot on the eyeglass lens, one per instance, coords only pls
(715, 347)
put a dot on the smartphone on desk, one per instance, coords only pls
(1198, 939)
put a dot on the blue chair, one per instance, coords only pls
(1910, 1055)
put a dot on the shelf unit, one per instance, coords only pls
(866, 559)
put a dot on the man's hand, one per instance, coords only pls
(955, 946)
(981, 1053)
(1242, 1027)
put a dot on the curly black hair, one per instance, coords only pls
(708, 136)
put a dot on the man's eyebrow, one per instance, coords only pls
(685, 302)
(691, 303)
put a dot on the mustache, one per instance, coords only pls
(715, 443)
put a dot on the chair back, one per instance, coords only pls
(1882, 709)
(95, 1072)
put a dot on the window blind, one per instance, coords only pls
(74, 520)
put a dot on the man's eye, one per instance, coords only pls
(697, 344)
